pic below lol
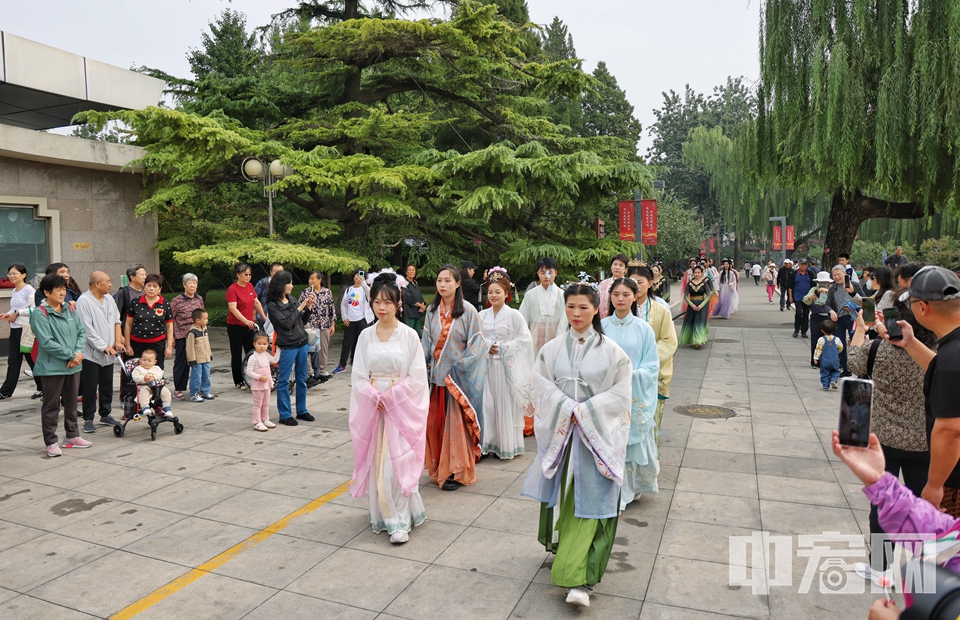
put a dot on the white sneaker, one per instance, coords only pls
(880, 579)
(398, 538)
(579, 597)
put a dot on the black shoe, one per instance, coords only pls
(846, 373)
(804, 335)
(2, 397)
(450, 484)
(796, 334)
(36, 395)
(312, 381)
(325, 377)
(287, 422)
(306, 417)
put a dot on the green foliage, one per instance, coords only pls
(607, 112)
(680, 230)
(866, 254)
(408, 139)
(944, 251)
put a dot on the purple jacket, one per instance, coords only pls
(902, 512)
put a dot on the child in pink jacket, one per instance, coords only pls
(900, 511)
(260, 380)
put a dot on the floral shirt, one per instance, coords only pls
(323, 314)
(182, 308)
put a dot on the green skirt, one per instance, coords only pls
(582, 546)
(696, 326)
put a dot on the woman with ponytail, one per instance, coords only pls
(583, 386)
(389, 400)
(453, 346)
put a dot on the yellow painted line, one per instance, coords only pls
(212, 564)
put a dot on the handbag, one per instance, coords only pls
(27, 338)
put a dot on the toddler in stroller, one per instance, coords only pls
(145, 395)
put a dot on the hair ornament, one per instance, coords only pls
(401, 282)
(585, 279)
(636, 262)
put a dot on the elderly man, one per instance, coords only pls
(101, 321)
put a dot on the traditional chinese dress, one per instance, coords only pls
(659, 317)
(638, 341)
(728, 287)
(543, 310)
(696, 326)
(508, 386)
(453, 349)
(579, 467)
(389, 400)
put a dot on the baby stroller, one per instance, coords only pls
(131, 408)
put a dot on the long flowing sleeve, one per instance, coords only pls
(517, 356)
(648, 373)
(902, 512)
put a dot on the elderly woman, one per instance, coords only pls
(182, 307)
(844, 300)
(149, 322)
(322, 317)
(61, 340)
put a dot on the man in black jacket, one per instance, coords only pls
(468, 286)
(785, 282)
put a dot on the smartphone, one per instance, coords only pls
(856, 403)
(362, 273)
(869, 306)
(890, 318)
(846, 281)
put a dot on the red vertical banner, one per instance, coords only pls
(628, 231)
(789, 237)
(703, 249)
(648, 222)
(777, 238)
(713, 245)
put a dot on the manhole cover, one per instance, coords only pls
(705, 412)
(724, 340)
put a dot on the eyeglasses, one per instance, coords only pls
(909, 303)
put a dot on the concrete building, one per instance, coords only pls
(65, 199)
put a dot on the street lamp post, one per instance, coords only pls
(256, 171)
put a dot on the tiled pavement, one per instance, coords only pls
(93, 532)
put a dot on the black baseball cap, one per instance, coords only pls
(804, 261)
(933, 283)
(468, 264)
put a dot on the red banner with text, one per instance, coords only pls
(628, 231)
(713, 245)
(777, 238)
(789, 237)
(648, 222)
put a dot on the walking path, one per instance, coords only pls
(226, 522)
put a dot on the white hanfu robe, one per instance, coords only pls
(508, 385)
(639, 341)
(594, 379)
(389, 402)
(543, 310)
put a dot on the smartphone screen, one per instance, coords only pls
(869, 310)
(890, 318)
(856, 399)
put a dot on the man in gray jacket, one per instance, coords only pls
(101, 319)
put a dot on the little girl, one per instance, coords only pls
(258, 374)
(143, 374)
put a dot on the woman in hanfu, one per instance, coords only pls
(638, 340)
(389, 400)
(728, 287)
(660, 285)
(453, 346)
(696, 321)
(583, 385)
(508, 386)
(687, 276)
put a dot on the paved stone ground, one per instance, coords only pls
(89, 534)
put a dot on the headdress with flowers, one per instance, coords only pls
(401, 282)
(585, 279)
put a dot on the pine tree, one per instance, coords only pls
(607, 112)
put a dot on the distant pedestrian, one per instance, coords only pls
(696, 321)
(827, 355)
(755, 272)
(357, 314)
(769, 278)
(897, 260)
(263, 284)
(469, 286)
(785, 282)
(802, 283)
(413, 304)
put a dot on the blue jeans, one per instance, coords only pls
(829, 374)
(287, 359)
(200, 379)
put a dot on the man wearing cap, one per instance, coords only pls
(802, 283)
(934, 298)
(785, 282)
(468, 286)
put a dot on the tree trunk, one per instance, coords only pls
(737, 244)
(847, 212)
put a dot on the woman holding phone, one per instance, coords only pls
(897, 416)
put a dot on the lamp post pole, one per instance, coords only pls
(256, 171)
(783, 236)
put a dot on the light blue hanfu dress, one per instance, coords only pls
(639, 342)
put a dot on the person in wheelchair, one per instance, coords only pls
(146, 375)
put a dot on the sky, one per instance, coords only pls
(650, 46)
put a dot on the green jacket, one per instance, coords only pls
(60, 335)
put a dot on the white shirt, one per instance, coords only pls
(547, 298)
(356, 303)
(22, 300)
(756, 270)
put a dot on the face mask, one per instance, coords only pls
(869, 285)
